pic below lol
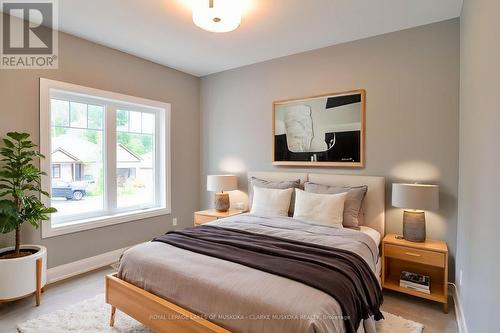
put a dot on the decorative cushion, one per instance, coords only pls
(257, 182)
(271, 202)
(325, 209)
(353, 202)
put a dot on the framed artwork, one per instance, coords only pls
(324, 130)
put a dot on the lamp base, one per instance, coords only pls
(414, 225)
(222, 202)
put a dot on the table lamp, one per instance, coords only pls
(414, 199)
(219, 184)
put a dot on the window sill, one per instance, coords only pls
(101, 221)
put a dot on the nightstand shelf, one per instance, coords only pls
(392, 283)
(428, 258)
(209, 215)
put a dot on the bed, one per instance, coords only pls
(169, 288)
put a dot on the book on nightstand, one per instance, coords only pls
(415, 281)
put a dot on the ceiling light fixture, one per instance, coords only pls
(217, 15)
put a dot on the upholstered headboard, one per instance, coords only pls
(373, 204)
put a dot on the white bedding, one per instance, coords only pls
(214, 287)
(374, 234)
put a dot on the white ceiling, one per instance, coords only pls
(162, 30)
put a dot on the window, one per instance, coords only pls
(108, 154)
(56, 171)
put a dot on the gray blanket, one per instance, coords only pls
(240, 298)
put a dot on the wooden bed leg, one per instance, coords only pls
(38, 292)
(112, 317)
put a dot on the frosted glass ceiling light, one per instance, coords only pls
(217, 15)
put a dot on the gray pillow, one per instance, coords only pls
(361, 218)
(353, 201)
(282, 185)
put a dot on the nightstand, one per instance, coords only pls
(210, 215)
(428, 258)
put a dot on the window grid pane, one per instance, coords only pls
(77, 156)
(95, 114)
(78, 115)
(135, 121)
(122, 120)
(60, 112)
(135, 161)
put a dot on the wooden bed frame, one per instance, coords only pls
(159, 315)
(162, 316)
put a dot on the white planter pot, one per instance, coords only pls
(18, 276)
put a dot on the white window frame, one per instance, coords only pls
(162, 110)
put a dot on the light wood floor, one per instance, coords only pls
(64, 293)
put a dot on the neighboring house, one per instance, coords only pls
(127, 165)
(76, 159)
(67, 167)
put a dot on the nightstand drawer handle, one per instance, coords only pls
(413, 254)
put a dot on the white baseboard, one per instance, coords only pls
(71, 269)
(459, 311)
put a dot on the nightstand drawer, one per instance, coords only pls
(415, 255)
(200, 219)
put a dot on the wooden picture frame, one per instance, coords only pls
(354, 139)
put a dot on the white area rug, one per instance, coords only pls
(92, 315)
(397, 324)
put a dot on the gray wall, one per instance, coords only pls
(85, 63)
(478, 223)
(412, 83)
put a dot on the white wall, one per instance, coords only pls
(479, 186)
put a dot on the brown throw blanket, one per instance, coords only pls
(342, 274)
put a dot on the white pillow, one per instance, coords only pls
(270, 201)
(325, 209)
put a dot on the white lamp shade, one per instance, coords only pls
(415, 196)
(220, 183)
(217, 15)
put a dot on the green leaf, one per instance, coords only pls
(9, 217)
(7, 181)
(8, 143)
(8, 207)
(34, 223)
(28, 144)
(7, 174)
(30, 187)
(7, 151)
(18, 136)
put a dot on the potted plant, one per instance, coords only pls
(22, 267)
